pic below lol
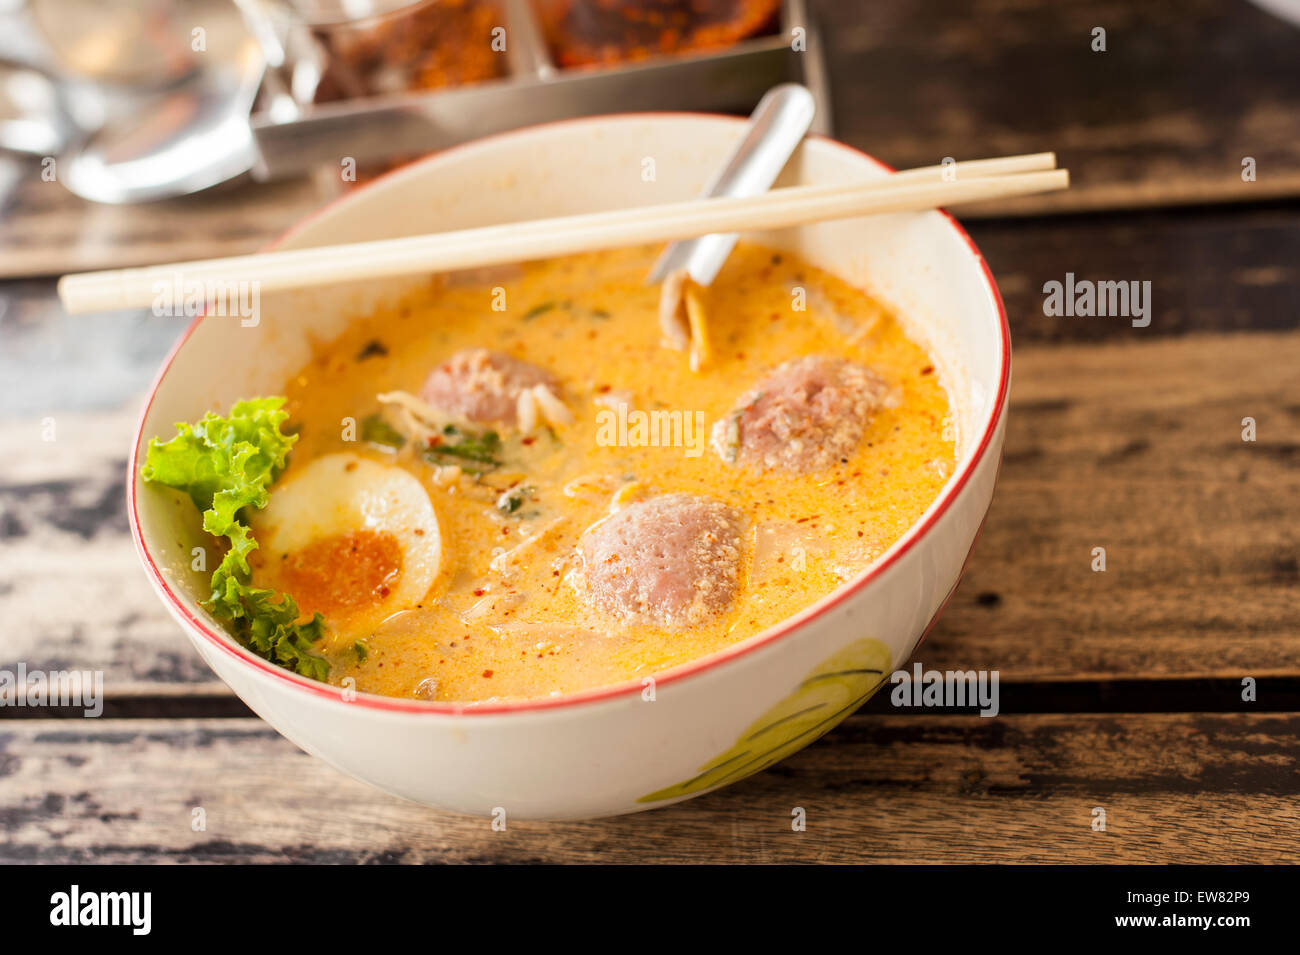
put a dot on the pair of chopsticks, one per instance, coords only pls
(908, 191)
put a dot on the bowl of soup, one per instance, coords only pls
(497, 546)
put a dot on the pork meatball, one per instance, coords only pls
(482, 385)
(671, 561)
(808, 414)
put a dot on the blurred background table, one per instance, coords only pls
(1120, 690)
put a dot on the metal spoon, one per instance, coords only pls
(776, 128)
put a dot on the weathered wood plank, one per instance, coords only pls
(1184, 92)
(72, 593)
(46, 230)
(1136, 448)
(1175, 788)
(1210, 270)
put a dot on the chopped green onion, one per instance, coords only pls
(376, 430)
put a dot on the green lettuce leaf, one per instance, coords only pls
(227, 465)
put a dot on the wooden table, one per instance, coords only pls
(1120, 690)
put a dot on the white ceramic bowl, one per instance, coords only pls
(707, 723)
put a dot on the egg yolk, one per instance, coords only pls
(342, 573)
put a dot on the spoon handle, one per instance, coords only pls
(776, 128)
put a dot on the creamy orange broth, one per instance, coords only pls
(521, 630)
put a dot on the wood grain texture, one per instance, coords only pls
(1175, 788)
(1135, 447)
(1211, 270)
(72, 592)
(46, 230)
(1138, 449)
(1184, 92)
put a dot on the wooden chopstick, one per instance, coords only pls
(978, 168)
(907, 191)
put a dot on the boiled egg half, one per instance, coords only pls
(350, 538)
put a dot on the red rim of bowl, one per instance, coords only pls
(227, 644)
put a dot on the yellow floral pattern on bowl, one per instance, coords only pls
(837, 687)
